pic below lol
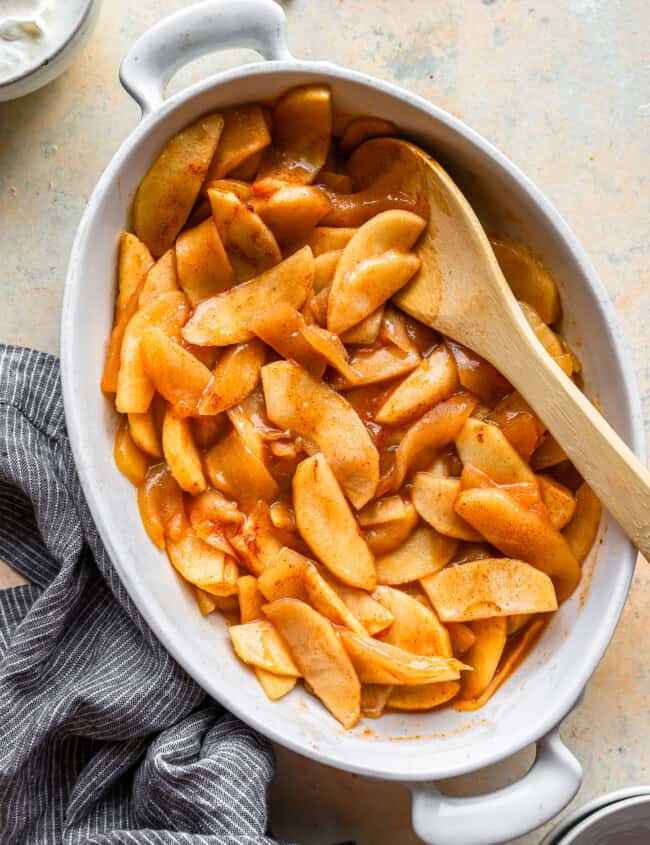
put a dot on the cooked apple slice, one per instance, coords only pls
(320, 657)
(547, 337)
(274, 686)
(294, 576)
(386, 537)
(434, 500)
(290, 211)
(529, 280)
(434, 380)
(367, 331)
(114, 352)
(582, 530)
(301, 131)
(521, 533)
(249, 242)
(172, 183)
(235, 377)
(202, 565)
(130, 461)
(380, 511)
(324, 269)
(386, 238)
(166, 312)
(283, 328)
(328, 526)
(416, 628)
(559, 500)
(327, 238)
(485, 446)
(236, 470)
(176, 374)
(381, 663)
(160, 501)
(511, 659)
(484, 655)
(461, 635)
(214, 518)
(374, 365)
(368, 285)
(205, 602)
(245, 133)
(259, 644)
(297, 401)
(338, 183)
(424, 696)
(181, 454)
(422, 554)
(437, 428)
(203, 267)
(374, 698)
(133, 265)
(242, 190)
(361, 129)
(224, 319)
(548, 454)
(161, 278)
(371, 614)
(388, 177)
(478, 376)
(145, 432)
(482, 589)
(517, 421)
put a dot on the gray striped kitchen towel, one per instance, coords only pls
(103, 737)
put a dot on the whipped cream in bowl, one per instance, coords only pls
(37, 38)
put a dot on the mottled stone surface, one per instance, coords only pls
(563, 87)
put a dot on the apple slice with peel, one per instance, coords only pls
(381, 663)
(378, 251)
(327, 524)
(259, 644)
(485, 446)
(320, 657)
(297, 401)
(481, 589)
(225, 318)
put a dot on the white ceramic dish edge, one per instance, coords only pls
(259, 24)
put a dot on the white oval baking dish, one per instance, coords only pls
(418, 749)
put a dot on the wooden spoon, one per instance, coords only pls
(461, 292)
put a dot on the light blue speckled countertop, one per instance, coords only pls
(563, 87)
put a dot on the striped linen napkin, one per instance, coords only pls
(103, 738)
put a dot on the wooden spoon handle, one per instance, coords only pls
(606, 463)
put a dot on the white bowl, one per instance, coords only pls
(412, 748)
(620, 823)
(559, 835)
(63, 48)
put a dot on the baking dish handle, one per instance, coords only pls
(500, 816)
(194, 32)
